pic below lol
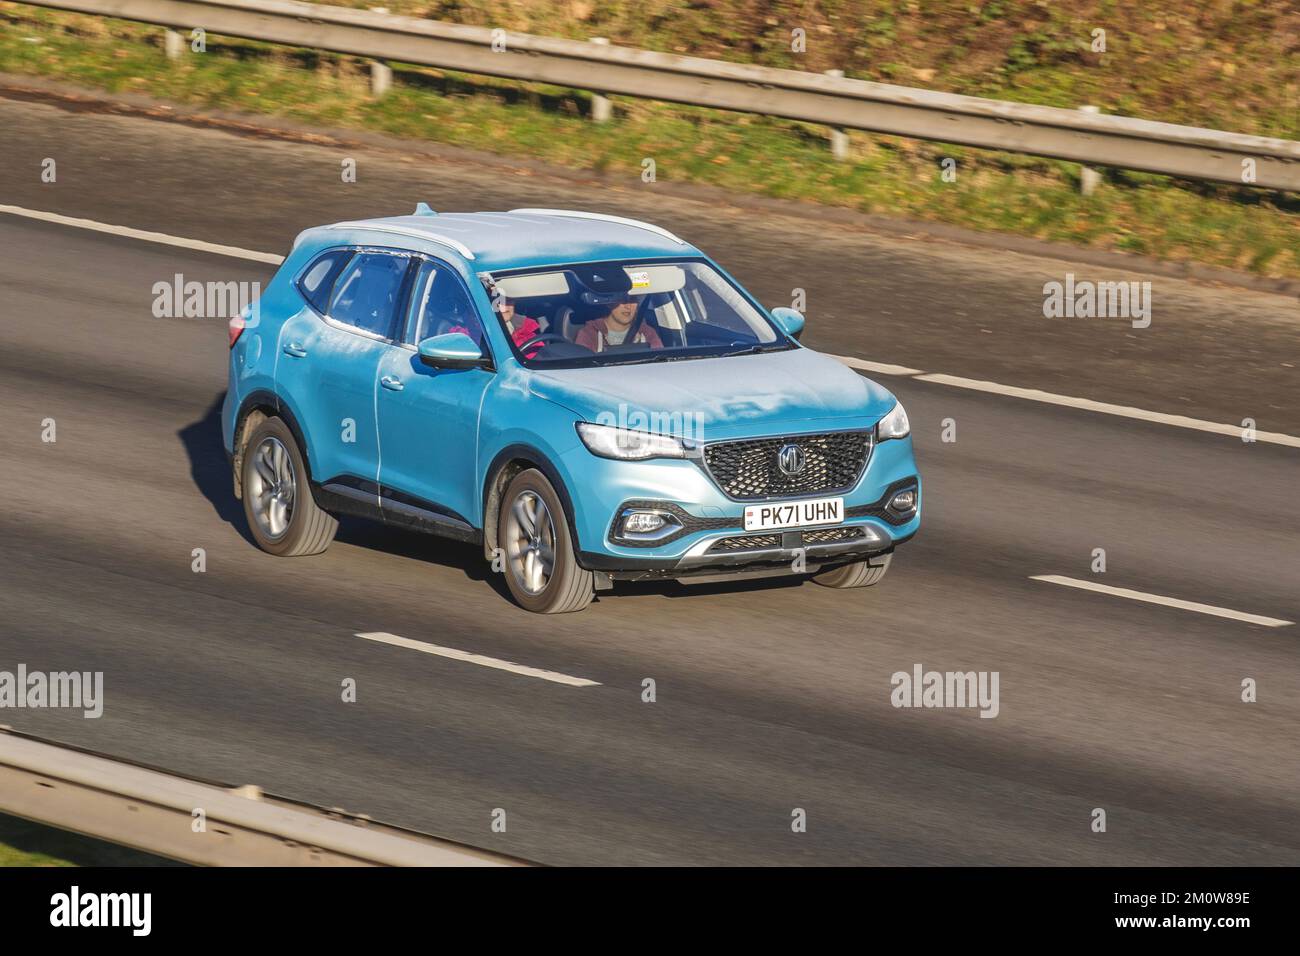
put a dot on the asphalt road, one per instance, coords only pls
(769, 698)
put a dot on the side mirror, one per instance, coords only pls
(790, 321)
(450, 350)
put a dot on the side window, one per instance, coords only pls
(367, 293)
(440, 304)
(318, 278)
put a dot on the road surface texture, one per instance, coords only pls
(769, 698)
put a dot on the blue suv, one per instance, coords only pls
(589, 398)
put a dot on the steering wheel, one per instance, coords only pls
(539, 339)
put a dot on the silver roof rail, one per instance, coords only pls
(460, 247)
(600, 216)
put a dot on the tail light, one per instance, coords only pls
(236, 326)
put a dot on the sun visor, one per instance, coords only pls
(649, 279)
(533, 285)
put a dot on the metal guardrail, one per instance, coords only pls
(1089, 138)
(155, 812)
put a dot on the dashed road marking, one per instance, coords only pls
(1160, 599)
(452, 653)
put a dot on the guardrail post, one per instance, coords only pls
(1089, 178)
(381, 74)
(173, 44)
(601, 108)
(381, 78)
(839, 138)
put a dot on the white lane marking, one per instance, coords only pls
(451, 652)
(878, 368)
(159, 237)
(1124, 411)
(1050, 398)
(1160, 599)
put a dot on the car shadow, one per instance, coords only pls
(209, 469)
(210, 472)
(676, 589)
(458, 555)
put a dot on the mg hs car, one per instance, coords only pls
(589, 398)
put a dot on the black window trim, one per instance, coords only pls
(355, 250)
(401, 341)
(302, 274)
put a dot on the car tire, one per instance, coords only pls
(531, 525)
(859, 574)
(282, 515)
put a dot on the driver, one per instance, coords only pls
(600, 334)
(520, 328)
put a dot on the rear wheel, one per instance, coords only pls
(278, 504)
(859, 574)
(541, 567)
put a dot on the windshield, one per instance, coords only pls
(631, 311)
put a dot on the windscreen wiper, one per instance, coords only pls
(754, 349)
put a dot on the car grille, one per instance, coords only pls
(753, 542)
(757, 542)
(831, 535)
(747, 470)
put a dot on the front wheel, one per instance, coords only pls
(859, 574)
(278, 504)
(541, 567)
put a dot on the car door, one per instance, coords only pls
(329, 356)
(428, 417)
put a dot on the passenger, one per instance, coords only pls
(600, 334)
(521, 328)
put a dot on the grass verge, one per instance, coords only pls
(1232, 227)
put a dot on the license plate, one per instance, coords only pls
(794, 514)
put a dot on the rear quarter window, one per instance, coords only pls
(317, 280)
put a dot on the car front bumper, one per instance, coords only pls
(787, 552)
(711, 538)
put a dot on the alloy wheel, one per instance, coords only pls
(272, 486)
(530, 542)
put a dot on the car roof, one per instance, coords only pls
(521, 238)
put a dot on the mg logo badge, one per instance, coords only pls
(791, 460)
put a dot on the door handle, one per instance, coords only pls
(296, 349)
(392, 383)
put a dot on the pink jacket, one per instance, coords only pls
(592, 336)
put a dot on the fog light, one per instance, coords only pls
(642, 522)
(903, 502)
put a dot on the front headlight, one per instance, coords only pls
(894, 425)
(627, 444)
